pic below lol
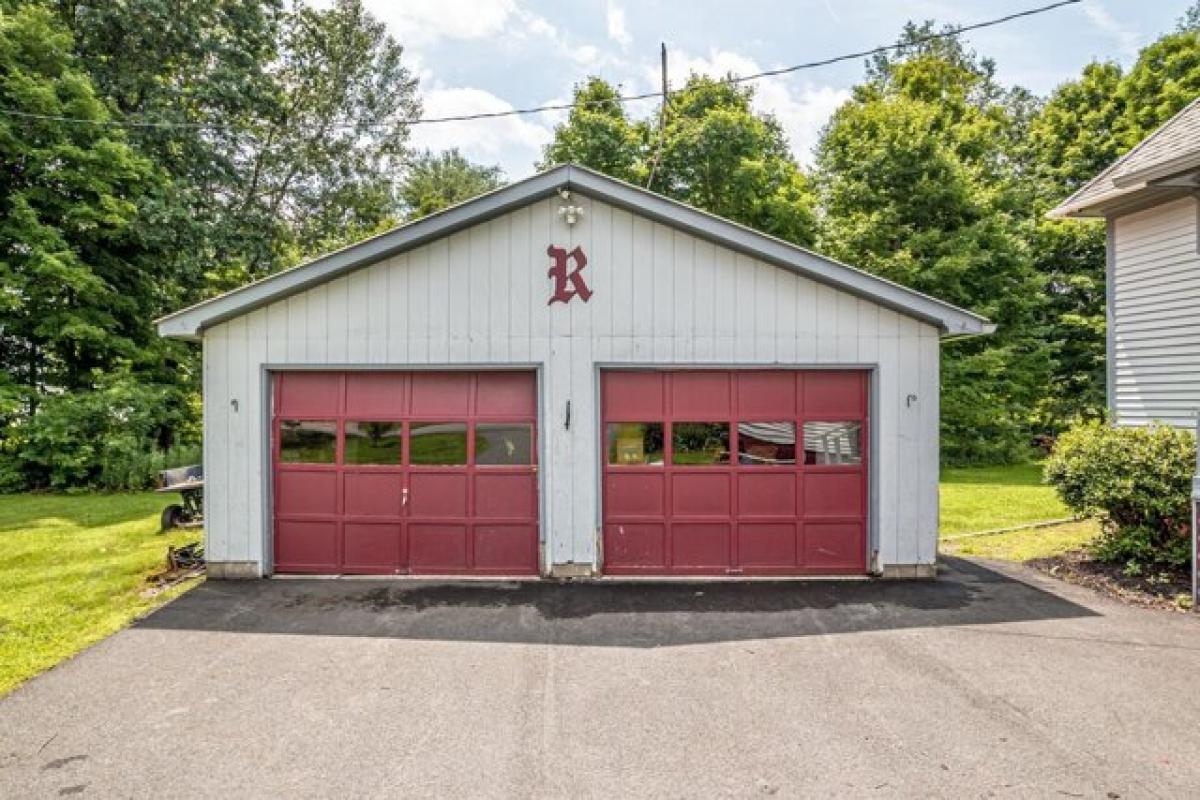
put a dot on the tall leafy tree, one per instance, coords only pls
(74, 255)
(708, 148)
(433, 181)
(916, 187)
(284, 123)
(719, 155)
(599, 134)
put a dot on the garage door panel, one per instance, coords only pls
(375, 395)
(700, 395)
(834, 546)
(771, 494)
(834, 393)
(700, 545)
(700, 494)
(440, 394)
(309, 394)
(371, 548)
(512, 496)
(506, 394)
(505, 548)
(373, 494)
(433, 548)
(307, 492)
(635, 545)
(832, 494)
(438, 495)
(306, 546)
(767, 395)
(769, 544)
(635, 494)
(633, 396)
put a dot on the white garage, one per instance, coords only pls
(572, 377)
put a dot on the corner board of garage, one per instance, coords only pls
(572, 376)
(190, 322)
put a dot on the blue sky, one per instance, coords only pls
(488, 55)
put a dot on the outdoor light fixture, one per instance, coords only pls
(570, 212)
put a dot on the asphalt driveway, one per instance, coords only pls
(990, 682)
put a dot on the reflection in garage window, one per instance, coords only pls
(833, 443)
(307, 441)
(700, 443)
(503, 443)
(635, 443)
(766, 443)
(372, 443)
(438, 443)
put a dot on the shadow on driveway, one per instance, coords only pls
(609, 614)
(624, 614)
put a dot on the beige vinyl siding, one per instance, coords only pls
(661, 297)
(1156, 315)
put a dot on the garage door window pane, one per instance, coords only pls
(833, 443)
(766, 443)
(438, 443)
(372, 443)
(307, 441)
(700, 443)
(631, 443)
(498, 443)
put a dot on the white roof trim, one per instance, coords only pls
(190, 323)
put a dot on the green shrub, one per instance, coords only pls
(1139, 480)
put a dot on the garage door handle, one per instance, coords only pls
(404, 497)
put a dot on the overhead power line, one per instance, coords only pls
(513, 112)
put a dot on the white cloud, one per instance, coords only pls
(1126, 38)
(417, 22)
(617, 29)
(514, 143)
(802, 110)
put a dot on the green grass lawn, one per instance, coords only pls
(986, 498)
(72, 571)
(1026, 544)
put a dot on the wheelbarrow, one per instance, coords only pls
(188, 482)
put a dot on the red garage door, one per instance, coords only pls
(394, 472)
(735, 472)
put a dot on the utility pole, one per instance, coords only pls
(662, 117)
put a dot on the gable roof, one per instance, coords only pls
(1171, 150)
(190, 323)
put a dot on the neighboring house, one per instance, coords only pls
(572, 376)
(1150, 198)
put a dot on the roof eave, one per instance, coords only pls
(190, 323)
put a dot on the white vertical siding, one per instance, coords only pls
(479, 297)
(1156, 315)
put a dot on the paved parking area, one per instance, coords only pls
(990, 682)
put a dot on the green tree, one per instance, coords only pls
(433, 181)
(719, 155)
(75, 264)
(598, 134)
(285, 123)
(710, 150)
(916, 187)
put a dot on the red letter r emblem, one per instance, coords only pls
(563, 293)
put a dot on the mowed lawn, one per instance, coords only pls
(989, 498)
(73, 570)
(985, 498)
